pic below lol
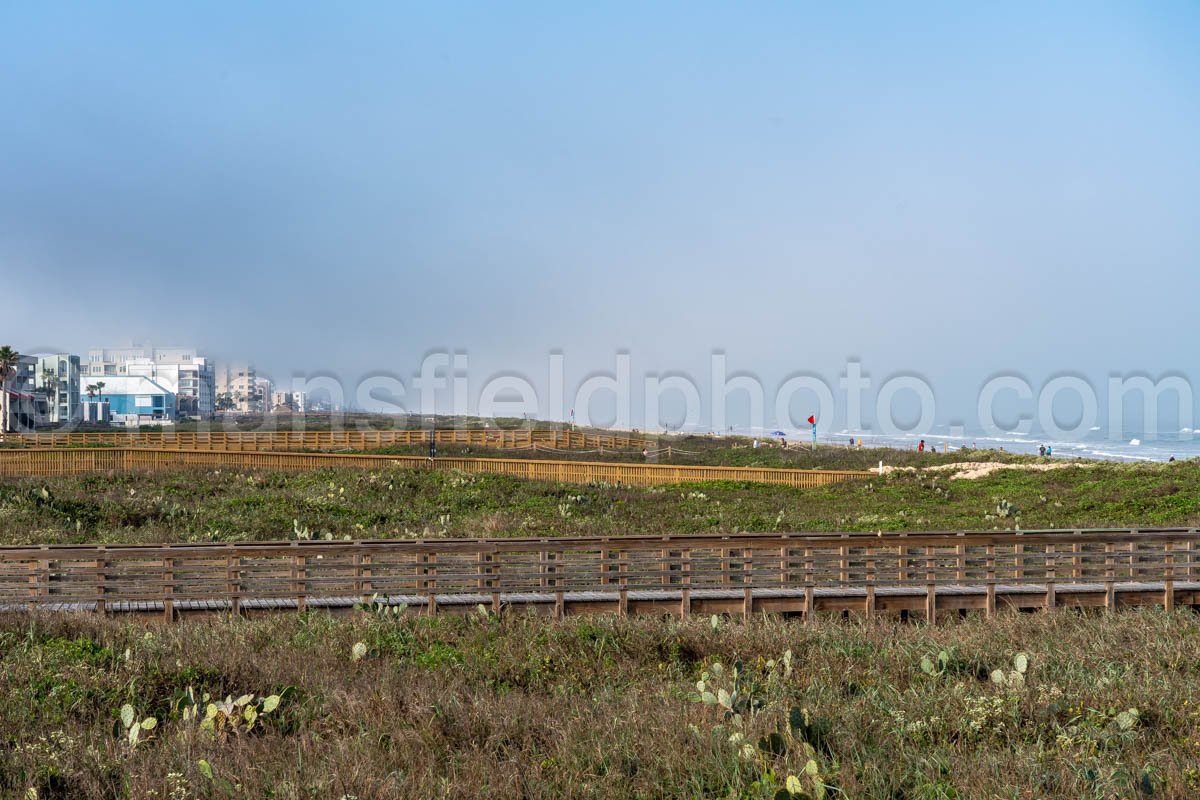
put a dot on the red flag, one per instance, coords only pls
(812, 420)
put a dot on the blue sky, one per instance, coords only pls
(950, 190)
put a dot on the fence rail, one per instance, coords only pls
(47, 463)
(667, 574)
(251, 441)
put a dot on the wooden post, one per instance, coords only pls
(233, 583)
(101, 580)
(494, 581)
(299, 582)
(366, 586)
(1110, 594)
(685, 601)
(869, 606)
(989, 609)
(960, 567)
(930, 585)
(1169, 579)
(356, 587)
(810, 598)
(168, 577)
(32, 582)
(1051, 596)
(556, 582)
(623, 583)
(431, 607)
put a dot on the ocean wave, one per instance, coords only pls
(1105, 454)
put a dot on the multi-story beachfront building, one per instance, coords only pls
(115, 360)
(295, 402)
(193, 382)
(57, 376)
(238, 390)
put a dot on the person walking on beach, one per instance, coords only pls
(1049, 451)
(921, 446)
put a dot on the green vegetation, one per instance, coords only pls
(736, 452)
(512, 706)
(223, 505)
(380, 705)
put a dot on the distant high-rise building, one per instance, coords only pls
(295, 402)
(238, 390)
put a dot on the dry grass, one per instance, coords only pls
(516, 707)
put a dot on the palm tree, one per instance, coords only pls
(91, 391)
(9, 359)
(100, 390)
(50, 381)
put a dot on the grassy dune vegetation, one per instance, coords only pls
(225, 505)
(514, 707)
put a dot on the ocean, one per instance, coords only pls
(1096, 444)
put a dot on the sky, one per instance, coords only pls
(947, 190)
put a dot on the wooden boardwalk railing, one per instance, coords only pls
(247, 441)
(740, 574)
(46, 463)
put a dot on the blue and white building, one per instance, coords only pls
(137, 400)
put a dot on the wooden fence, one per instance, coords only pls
(47, 463)
(663, 574)
(243, 441)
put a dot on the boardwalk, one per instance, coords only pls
(259, 441)
(78, 461)
(927, 573)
